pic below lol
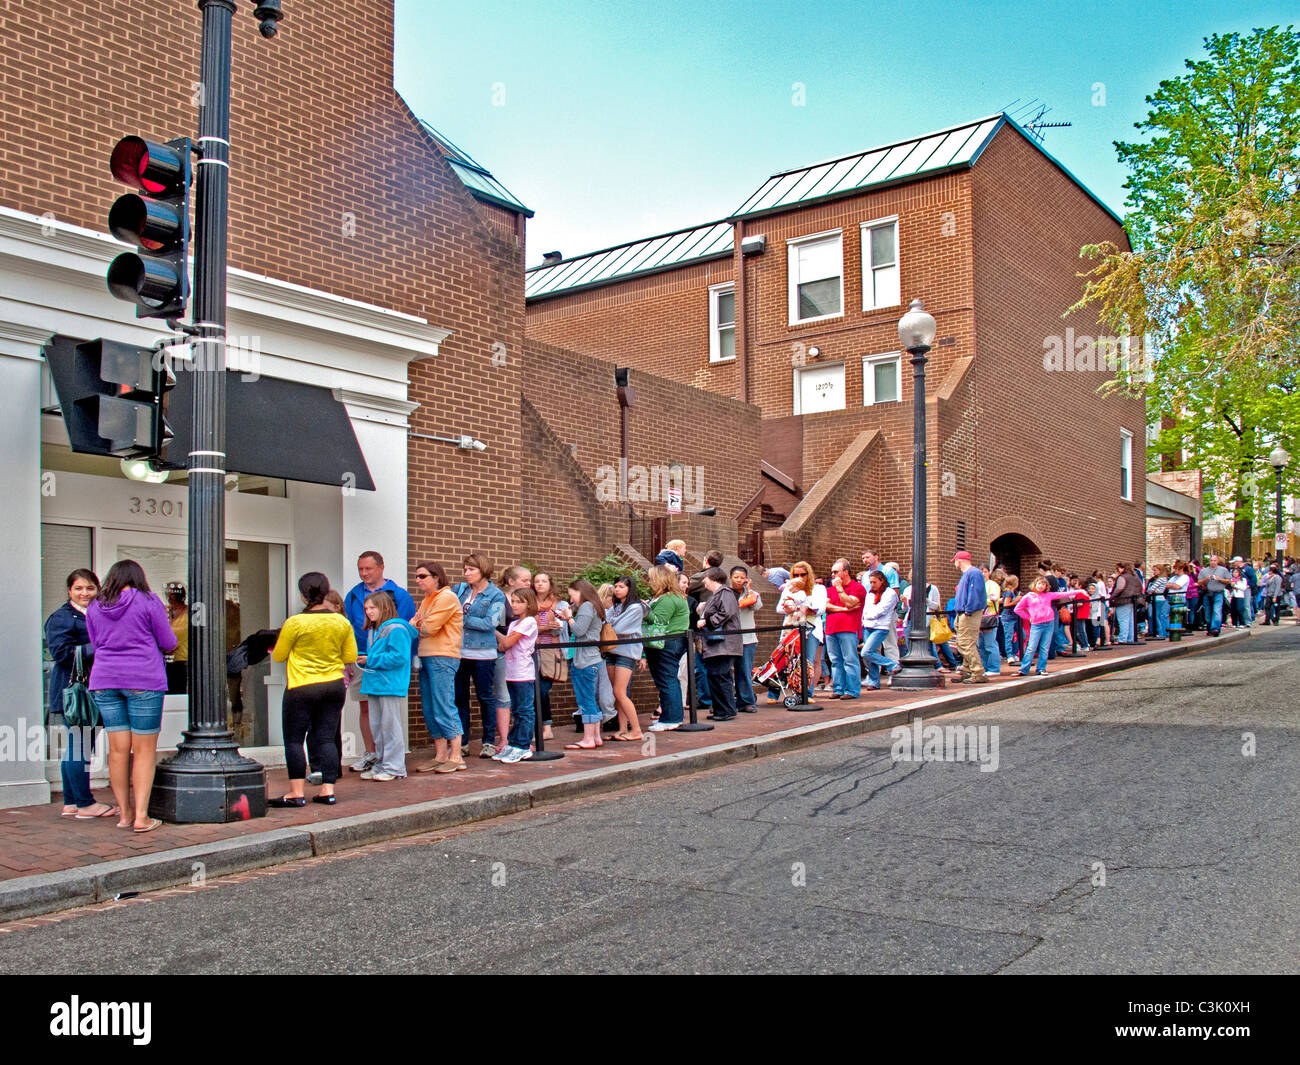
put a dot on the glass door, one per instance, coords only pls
(255, 599)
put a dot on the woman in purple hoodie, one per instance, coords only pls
(130, 632)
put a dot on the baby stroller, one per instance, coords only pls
(780, 673)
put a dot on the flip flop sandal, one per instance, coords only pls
(153, 823)
(69, 811)
(109, 811)
(580, 746)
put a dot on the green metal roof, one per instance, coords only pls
(948, 149)
(474, 176)
(935, 153)
(710, 241)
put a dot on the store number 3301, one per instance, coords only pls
(167, 508)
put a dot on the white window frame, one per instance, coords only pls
(869, 377)
(792, 280)
(868, 280)
(1126, 463)
(715, 336)
(798, 392)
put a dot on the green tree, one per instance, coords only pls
(1212, 283)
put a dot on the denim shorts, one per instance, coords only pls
(620, 661)
(123, 708)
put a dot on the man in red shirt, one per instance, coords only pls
(844, 599)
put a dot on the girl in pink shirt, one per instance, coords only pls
(518, 644)
(1037, 607)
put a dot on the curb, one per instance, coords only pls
(30, 896)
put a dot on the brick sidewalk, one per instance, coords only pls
(35, 839)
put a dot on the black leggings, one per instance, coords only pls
(312, 712)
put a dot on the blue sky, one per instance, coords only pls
(615, 121)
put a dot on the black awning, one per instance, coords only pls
(277, 428)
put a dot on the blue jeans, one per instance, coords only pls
(846, 676)
(1010, 634)
(438, 696)
(1060, 638)
(943, 653)
(523, 728)
(584, 690)
(744, 674)
(75, 767)
(1160, 612)
(988, 648)
(875, 660)
(702, 694)
(125, 708)
(1213, 610)
(1124, 618)
(1039, 638)
(483, 671)
(663, 669)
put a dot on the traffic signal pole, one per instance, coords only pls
(208, 780)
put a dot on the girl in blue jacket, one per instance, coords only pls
(385, 680)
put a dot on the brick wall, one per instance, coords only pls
(1048, 445)
(574, 394)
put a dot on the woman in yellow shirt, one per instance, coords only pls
(316, 644)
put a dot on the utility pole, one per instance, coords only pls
(208, 780)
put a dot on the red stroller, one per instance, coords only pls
(780, 673)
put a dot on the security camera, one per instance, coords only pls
(479, 445)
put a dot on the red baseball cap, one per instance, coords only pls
(961, 554)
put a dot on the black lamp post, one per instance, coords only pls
(916, 331)
(1279, 459)
(208, 780)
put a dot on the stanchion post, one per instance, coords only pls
(694, 725)
(540, 753)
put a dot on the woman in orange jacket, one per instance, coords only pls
(439, 621)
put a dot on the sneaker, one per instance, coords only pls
(369, 774)
(367, 761)
(383, 775)
(660, 726)
(514, 754)
(489, 751)
(503, 753)
(1013, 661)
(449, 767)
(315, 778)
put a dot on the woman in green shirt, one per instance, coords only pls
(667, 612)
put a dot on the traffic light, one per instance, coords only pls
(157, 219)
(114, 396)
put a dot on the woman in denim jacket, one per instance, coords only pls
(484, 607)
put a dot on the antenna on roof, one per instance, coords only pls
(1031, 116)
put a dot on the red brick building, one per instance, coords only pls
(792, 304)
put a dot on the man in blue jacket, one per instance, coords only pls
(971, 600)
(370, 568)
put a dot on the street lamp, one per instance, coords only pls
(1279, 459)
(916, 331)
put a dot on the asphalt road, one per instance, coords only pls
(837, 859)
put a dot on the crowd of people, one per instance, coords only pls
(512, 640)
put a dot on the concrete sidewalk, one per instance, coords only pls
(50, 863)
